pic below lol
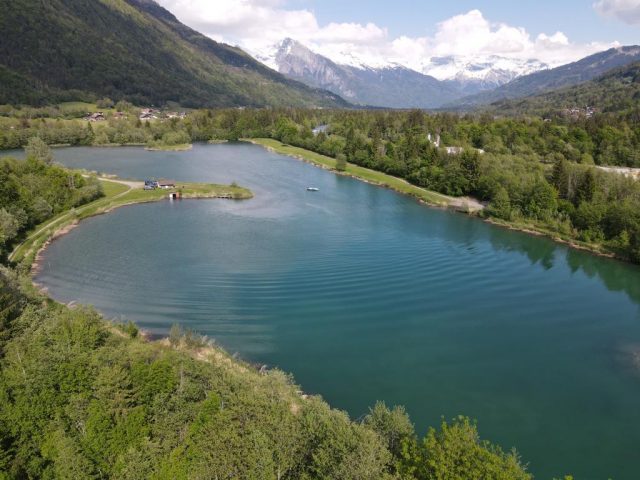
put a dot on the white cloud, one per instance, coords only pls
(627, 11)
(255, 25)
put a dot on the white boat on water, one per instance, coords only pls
(312, 189)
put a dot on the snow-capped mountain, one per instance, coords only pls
(384, 85)
(484, 73)
(566, 75)
(372, 81)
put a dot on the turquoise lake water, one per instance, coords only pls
(364, 294)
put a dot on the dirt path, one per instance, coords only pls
(466, 203)
(129, 183)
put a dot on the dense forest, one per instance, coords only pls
(81, 397)
(530, 172)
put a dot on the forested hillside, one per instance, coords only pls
(617, 91)
(574, 73)
(130, 49)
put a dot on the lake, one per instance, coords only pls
(364, 294)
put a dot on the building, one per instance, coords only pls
(164, 183)
(95, 117)
(147, 114)
(454, 150)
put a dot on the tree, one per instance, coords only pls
(470, 162)
(541, 200)
(123, 106)
(38, 149)
(341, 162)
(586, 188)
(393, 426)
(9, 226)
(560, 177)
(501, 204)
(455, 452)
(105, 103)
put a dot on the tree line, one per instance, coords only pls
(33, 190)
(531, 172)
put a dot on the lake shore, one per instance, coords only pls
(169, 148)
(373, 177)
(460, 204)
(118, 193)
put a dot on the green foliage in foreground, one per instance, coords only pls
(82, 398)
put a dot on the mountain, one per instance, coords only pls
(387, 85)
(617, 91)
(475, 74)
(130, 49)
(373, 81)
(566, 75)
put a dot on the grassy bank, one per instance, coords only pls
(170, 148)
(370, 176)
(117, 193)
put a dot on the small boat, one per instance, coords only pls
(312, 189)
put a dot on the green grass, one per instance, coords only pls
(89, 107)
(115, 195)
(356, 171)
(170, 148)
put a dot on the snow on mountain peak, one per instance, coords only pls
(491, 69)
(486, 71)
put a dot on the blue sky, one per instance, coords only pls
(411, 32)
(576, 18)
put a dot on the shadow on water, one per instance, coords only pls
(538, 250)
(615, 275)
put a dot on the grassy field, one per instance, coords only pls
(116, 194)
(378, 178)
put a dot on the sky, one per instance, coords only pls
(410, 32)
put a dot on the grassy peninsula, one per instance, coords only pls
(117, 193)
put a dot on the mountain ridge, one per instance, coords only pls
(616, 91)
(389, 84)
(134, 50)
(570, 74)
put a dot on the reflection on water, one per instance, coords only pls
(364, 294)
